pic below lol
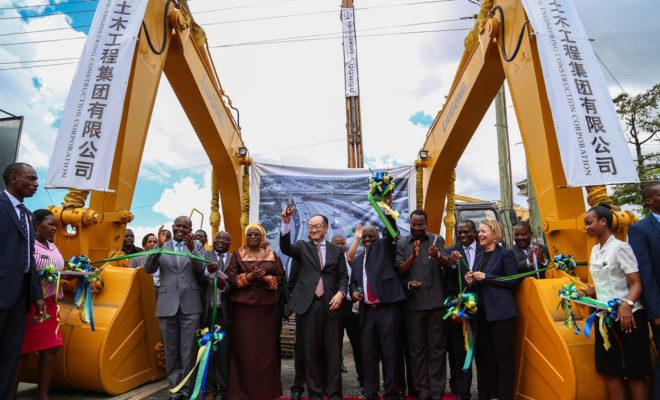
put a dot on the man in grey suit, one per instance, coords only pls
(529, 256)
(316, 299)
(217, 379)
(179, 307)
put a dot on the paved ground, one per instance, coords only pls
(157, 390)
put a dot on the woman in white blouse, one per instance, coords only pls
(614, 272)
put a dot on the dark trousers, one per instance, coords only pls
(494, 356)
(322, 335)
(12, 324)
(299, 358)
(217, 378)
(352, 328)
(460, 381)
(427, 343)
(380, 334)
(405, 370)
(656, 371)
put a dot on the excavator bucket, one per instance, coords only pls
(124, 351)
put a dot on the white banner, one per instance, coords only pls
(85, 146)
(591, 142)
(350, 53)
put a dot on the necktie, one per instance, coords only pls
(371, 296)
(468, 255)
(319, 286)
(221, 267)
(23, 219)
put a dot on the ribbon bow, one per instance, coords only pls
(566, 294)
(459, 310)
(607, 316)
(380, 185)
(565, 263)
(208, 342)
(86, 287)
(49, 274)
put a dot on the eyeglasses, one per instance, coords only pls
(418, 226)
(315, 227)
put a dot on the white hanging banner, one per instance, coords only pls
(85, 145)
(591, 142)
(350, 52)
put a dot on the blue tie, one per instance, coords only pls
(23, 218)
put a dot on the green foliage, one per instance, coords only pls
(641, 117)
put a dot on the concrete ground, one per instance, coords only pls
(158, 390)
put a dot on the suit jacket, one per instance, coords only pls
(497, 297)
(334, 274)
(179, 281)
(12, 257)
(206, 286)
(644, 238)
(521, 259)
(454, 272)
(382, 276)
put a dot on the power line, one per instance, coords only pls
(609, 72)
(47, 5)
(48, 14)
(37, 61)
(38, 66)
(46, 30)
(227, 8)
(270, 40)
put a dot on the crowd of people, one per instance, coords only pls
(387, 293)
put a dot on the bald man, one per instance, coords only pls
(179, 305)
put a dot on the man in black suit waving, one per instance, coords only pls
(317, 298)
(376, 284)
(468, 250)
(19, 283)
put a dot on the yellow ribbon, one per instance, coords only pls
(200, 353)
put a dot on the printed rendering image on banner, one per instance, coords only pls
(339, 194)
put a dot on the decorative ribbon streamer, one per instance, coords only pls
(566, 293)
(91, 283)
(153, 251)
(565, 263)
(58, 334)
(209, 339)
(606, 311)
(459, 309)
(380, 185)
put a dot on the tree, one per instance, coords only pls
(641, 118)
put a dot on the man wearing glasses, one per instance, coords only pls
(316, 299)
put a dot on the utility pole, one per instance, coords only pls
(504, 158)
(534, 214)
(351, 86)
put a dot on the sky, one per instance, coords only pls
(291, 95)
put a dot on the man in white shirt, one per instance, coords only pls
(530, 256)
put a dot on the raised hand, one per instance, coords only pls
(455, 257)
(190, 243)
(415, 252)
(358, 232)
(286, 215)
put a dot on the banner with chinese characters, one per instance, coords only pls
(85, 145)
(591, 142)
(350, 52)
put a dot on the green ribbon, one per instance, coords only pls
(150, 252)
(522, 274)
(382, 217)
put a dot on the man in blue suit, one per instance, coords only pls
(644, 238)
(19, 283)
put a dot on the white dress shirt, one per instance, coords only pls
(471, 253)
(609, 265)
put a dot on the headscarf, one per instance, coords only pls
(258, 227)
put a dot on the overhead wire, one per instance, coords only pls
(46, 5)
(610, 72)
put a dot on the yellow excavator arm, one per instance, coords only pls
(126, 351)
(551, 362)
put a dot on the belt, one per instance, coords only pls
(372, 306)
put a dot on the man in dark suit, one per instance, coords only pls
(644, 238)
(375, 283)
(217, 380)
(316, 298)
(179, 306)
(467, 249)
(420, 263)
(351, 319)
(529, 256)
(19, 283)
